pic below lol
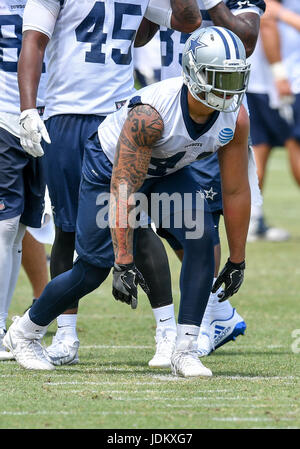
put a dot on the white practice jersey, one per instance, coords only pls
(11, 14)
(172, 42)
(182, 141)
(90, 64)
(261, 80)
(290, 44)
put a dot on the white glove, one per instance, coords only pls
(32, 131)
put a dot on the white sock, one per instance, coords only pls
(29, 329)
(187, 336)
(165, 318)
(8, 233)
(67, 323)
(221, 310)
(16, 263)
(207, 317)
(256, 212)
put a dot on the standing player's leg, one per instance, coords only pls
(151, 259)
(14, 194)
(96, 257)
(11, 233)
(293, 143)
(63, 162)
(195, 285)
(192, 227)
(34, 262)
(221, 323)
(268, 130)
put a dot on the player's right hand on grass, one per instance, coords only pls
(126, 279)
(232, 277)
(32, 131)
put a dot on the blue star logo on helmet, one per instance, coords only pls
(225, 135)
(194, 44)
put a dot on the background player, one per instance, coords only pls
(287, 15)
(21, 182)
(96, 40)
(270, 103)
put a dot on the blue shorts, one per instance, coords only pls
(207, 173)
(177, 246)
(63, 163)
(266, 125)
(93, 241)
(22, 183)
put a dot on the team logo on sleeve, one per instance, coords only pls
(225, 135)
(2, 205)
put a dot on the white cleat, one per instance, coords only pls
(29, 353)
(63, 350)
(276, 235)
(165, 344)
(258, 230)
(185, 362)
(4, 353)
(223, 331)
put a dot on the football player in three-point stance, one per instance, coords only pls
(88, 48)
(221, 322)
(147, 147)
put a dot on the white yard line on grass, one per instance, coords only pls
(115, 347)
(244, 419)
(240, 346)
(132, 412)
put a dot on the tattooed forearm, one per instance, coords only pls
(142, 129)
(186, 16)
(245, 25)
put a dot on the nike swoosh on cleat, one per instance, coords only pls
(193, 335)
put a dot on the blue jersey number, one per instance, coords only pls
(162, 165)
(10, 40)
(166, 36)
(91, 30)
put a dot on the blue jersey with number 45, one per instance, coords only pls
(89, 56)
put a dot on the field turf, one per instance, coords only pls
(256, 380)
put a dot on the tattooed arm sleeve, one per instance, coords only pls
(141, 130)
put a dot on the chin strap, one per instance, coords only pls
(218, 102)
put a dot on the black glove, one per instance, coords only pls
(126, 279)
(232, 276)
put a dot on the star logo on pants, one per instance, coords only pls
(209, 194)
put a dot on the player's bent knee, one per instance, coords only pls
(91, 276)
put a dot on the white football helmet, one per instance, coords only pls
(215, 69)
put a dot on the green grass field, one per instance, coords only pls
(256, 382)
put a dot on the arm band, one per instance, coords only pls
(41, 15)
(278, 71)
(160, 12)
